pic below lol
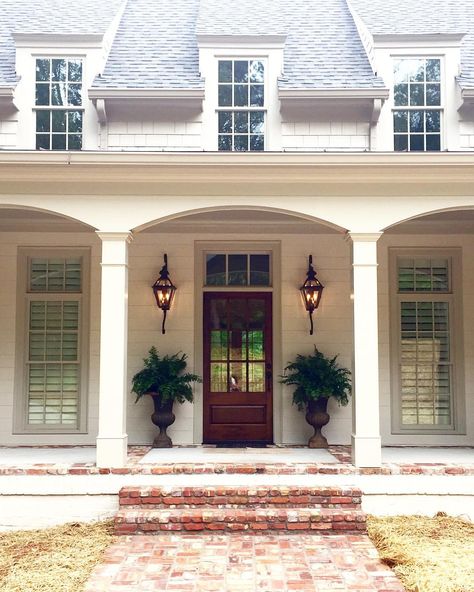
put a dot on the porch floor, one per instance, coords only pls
(209, 459)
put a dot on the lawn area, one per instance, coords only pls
(55, 559)
(427, 554)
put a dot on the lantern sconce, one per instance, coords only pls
(164, 291)
(311, 292)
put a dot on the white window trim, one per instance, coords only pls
(443, 90)
(454, 298)
(20, 417)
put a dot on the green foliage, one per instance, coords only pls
(164, 376)
(316, 376)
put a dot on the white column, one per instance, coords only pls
(113, 391)
(366, 442)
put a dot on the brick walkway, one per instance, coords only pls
(242, 563)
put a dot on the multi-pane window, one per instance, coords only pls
(237, 269)
(58, 104)
(425, 344)
(53, 342)
(241, 100)
(417, 101)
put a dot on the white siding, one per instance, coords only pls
(325, 135)
(8, 133)
(155, 135)
(466, 140)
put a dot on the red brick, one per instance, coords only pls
(298, 526)
(193, 527)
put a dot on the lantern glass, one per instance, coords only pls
(311, 292)
(164, 294)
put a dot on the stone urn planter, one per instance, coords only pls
(317, 417)
(165, 380)
(162, 417)
(316, 378)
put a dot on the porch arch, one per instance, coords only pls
(426, 214)
(240, 208)
(46, 214)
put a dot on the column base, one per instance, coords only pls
(366, 451)
(112, 452)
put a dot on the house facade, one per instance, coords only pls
(239, 139)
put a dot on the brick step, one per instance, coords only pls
(227, 520)
(244, 497)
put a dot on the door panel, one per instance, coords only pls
(237, 367)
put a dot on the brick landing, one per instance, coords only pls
(242, 563)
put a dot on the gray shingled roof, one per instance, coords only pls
(155, 47)
(423, 17)
(322, 49)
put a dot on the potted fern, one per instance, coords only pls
(164, 379)
(316, 379)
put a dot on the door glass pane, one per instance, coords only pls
(219, 345)
(218, 377)
(259, 270)
(257, 377)
(218, 314)
(238, 345)
(238, 270)
(215, 270)
(238, 314)
(256, 345)
(238, 376)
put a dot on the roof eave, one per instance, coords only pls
(467, 96)
(333, 93)
(6, 93)
(418, 39)
(146, 93)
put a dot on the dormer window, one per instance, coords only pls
(417, 101)
(58, 104)
(241, 100)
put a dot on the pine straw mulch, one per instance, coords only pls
(427, 554)
(56, 559)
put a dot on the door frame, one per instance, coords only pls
(249, 245)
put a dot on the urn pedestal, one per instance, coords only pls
(317, 417)
(162, 417)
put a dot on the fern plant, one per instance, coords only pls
(317, 376)
(164, 376)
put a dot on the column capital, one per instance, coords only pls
(364, 237)
(124, 235)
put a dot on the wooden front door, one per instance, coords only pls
(238, 367)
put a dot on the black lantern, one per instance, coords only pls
(311, 291)
(164, 291)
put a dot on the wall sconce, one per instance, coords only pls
(311, 292)
(164, 291)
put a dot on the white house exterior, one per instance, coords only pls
(238, 138)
